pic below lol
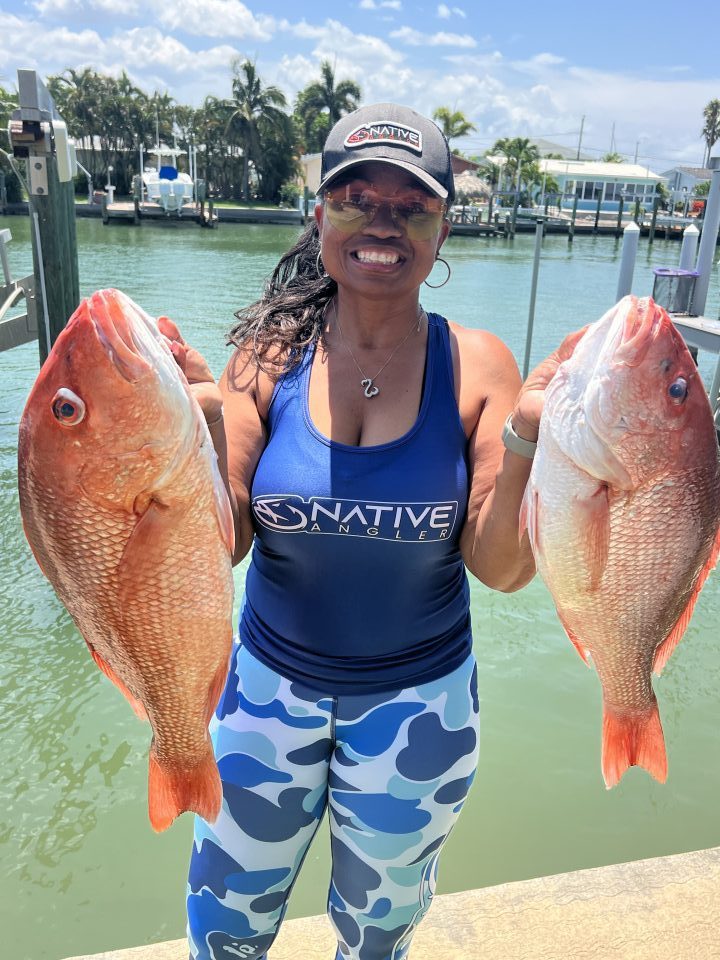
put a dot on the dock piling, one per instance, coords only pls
(37, 134)
(688, 251)
(708, 240)
(631, 236)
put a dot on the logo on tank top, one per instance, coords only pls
(405, 522)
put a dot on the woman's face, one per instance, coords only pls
(382, 258)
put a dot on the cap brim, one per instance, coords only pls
(411, 168)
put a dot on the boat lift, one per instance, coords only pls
(21, 328)
(38, 135)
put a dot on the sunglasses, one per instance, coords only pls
(351, 208)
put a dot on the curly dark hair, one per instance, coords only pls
(289, 314)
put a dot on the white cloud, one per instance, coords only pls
(65, 8)
(445, 12)
(415, 38)
(380, 5)
(215, 18)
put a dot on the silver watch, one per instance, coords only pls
(516, 444)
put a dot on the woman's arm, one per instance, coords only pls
(491, 388)
(234, 420)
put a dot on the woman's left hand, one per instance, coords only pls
(529, 403)
(195, 367)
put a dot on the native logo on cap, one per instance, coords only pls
(385, 131)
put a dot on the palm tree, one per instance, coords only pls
(78, 95)
(251, 102)
(453, 123)
(520, 155)
(711, 128)
(320, 105)
(612, 157)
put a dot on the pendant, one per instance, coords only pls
(370, 389)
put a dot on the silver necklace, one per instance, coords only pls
(368, 383)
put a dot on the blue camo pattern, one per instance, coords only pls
(393, 769)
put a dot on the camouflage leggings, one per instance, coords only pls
(394, 770)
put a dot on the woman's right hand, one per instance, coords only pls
(196, 370)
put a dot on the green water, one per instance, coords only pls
(82, 871)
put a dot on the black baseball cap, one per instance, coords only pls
(390, 133)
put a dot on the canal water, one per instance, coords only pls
(82, 871)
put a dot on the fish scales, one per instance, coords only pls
(127, 516)
(622, 508)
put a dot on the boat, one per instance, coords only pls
(164, 184)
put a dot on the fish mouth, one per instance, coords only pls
(112, 315)
(641, 324)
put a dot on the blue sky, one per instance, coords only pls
(642, 71)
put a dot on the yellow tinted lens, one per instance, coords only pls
(421, 226)
(348, 210)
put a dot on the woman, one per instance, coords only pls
(363, 446)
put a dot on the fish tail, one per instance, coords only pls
(633, 740)
(173, 789)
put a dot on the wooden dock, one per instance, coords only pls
(666, 908)
(132, 211)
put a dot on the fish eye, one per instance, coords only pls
(67, 407)
(678, 390)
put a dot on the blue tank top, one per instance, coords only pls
(356, 583)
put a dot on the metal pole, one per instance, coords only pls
(708, 240)
(5, 237)
(533, 293)
(688, 252)
(631, 236)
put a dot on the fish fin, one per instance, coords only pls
(665, 650)
(595, 518)
(529, 513)
(215, 690)
(576, 642)
(224, 512)
(173, 789)
(633, 740)
(111, 675)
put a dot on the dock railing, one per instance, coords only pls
(20, 328)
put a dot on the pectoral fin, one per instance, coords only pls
(594, 521)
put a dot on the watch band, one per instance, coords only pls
(516, 444)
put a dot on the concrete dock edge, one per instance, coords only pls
(667, 908)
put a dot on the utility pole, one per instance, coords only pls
(582, 125)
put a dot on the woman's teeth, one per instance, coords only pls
(374, 256)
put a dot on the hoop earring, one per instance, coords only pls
(320, 270)
(434, 286)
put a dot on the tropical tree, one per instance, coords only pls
(320, 105)
(278, 162)
(111, 118)
(711, 128)
(453, 123)
(518, 159)
(8, 103)
(612, 157)
(251, 103)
